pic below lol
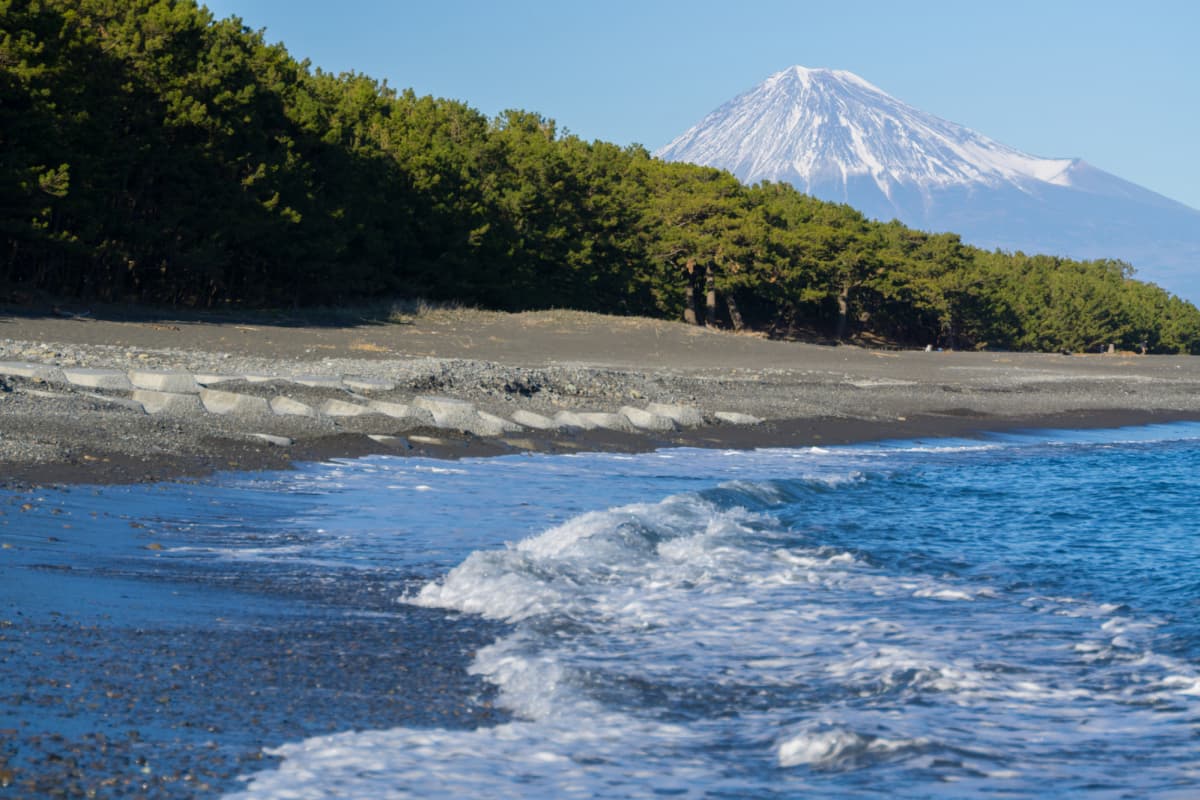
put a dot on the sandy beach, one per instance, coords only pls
(319, 384)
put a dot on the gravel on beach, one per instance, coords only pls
(545, 363)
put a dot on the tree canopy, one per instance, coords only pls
(152, 153)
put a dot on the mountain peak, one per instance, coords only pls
(808, 76)
(813, 127)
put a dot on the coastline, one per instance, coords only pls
(539, 363)
(186, 679)
(113, 468)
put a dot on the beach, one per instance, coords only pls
(205, 591)
(336, 372)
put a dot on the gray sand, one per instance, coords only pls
(534, 365)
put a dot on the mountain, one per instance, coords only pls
(835, 136)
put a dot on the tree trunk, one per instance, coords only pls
(843, 302)
(735, 316)
(710, 297)
(689, 295)
(952, 337)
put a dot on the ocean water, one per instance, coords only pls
(1011, 616)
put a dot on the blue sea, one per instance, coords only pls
(1013, 615)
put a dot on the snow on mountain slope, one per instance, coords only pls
(815, 124)
(834, 135)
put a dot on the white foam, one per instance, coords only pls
(943, 594)
(719, 607)
(835, 746)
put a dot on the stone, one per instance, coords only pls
(734, 418)
(233, 404)
(176, 382)
(418, 416)
(388, 439)
(318, 381)
(25, 369)
(167, 402)
(210, 379)
(286, 406)
(432, 440)
(123, 402)
(45, 394)
(460, 415)
(98, 378)
(685, 416)
(270, 438)
(492, 425)
(533, 420)
(572, 419)
(257, 378)
(448, 412)
(369, 384)
(340, 408)
(601, 419)
(647, 420)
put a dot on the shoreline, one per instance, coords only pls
(160, 642)
(454, 383)
(116, 468)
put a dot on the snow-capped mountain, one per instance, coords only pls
(834, 135)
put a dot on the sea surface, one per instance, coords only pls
(1016, 615)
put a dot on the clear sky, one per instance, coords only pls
(1115, 83)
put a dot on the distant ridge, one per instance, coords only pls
(838, 137)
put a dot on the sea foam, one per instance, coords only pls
(875, 621)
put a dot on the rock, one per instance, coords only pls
(25, 369)
(45, 394)
(496, 426)
(369, 384)
(686, 416)
(270, 438)
(573, 419)
(612, 422)
(647, 420)
(537, 421)
(98, 378)
(123, 402)
(233, 404)
(448, 412)
(167, 402)
(286, 406)
(177, 382)
(391, 441)
(318, 381)
(418, 416)
(257, 378)
(433, 440)
(734, 418)
(340, 408)
(463, 416)
(209, 379)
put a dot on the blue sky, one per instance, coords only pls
(1115, 83)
